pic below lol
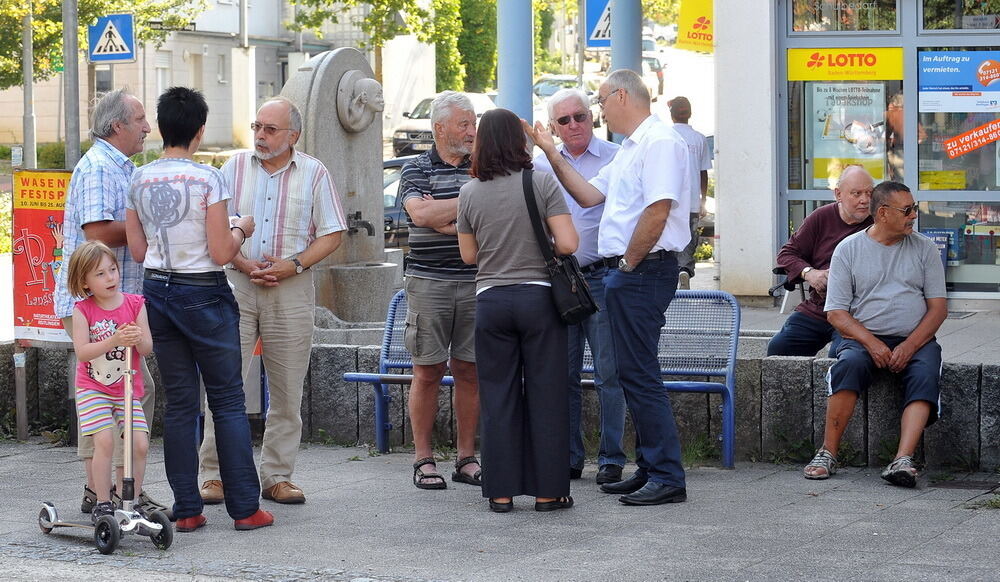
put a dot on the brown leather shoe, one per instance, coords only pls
(211, 492)
(284, 492)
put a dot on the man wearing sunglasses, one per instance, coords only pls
(886, 296)
(300, 221)
(587, 154)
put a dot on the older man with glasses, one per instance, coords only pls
(587, 154)
(886, 296)
(300, 221)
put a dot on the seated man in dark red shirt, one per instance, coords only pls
(806, 257)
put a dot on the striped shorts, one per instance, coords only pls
(99, 411)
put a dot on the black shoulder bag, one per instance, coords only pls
(570, 291)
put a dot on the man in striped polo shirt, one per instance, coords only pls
(300, 221)
(441, 290)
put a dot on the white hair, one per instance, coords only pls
(565, 95)
(629, 81)
(443, 104)
(109, 109)
(294, 116)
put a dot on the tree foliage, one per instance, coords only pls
(47, 29)
(477, 43)
(448, 60)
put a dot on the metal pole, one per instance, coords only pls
(71, 81)
(582, 38)
(244, 16)
(626, 35)
(28, 68)
(515, 56)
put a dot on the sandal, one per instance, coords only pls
(901, 472)
(459, 477)
(437, 481)
(823, 460)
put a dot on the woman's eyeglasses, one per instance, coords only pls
(577, 117)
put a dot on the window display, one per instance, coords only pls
(961, 14)
(968, 237)
(843, 15)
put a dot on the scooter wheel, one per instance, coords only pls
(43, 519)
(165, 536)
(107, 534)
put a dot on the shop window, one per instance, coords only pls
(961, 14)
(843, 15)
(845, 108)
(968, 237)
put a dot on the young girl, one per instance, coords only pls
(104, 324)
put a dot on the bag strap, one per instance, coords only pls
(536, 220)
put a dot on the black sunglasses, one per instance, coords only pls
(577, 117)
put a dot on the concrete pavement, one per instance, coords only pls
(364, 520)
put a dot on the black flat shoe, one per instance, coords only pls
(575, 473)
(497, 507)
(561, 503)
(630, 485)
(655, 494)
(609, 473)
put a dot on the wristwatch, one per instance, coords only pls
(298, 266)
(805, 271)
(624, 266)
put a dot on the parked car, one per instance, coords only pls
(397, 234)
(651, 80)
(657, 67)
(414, 135)
(547, 85)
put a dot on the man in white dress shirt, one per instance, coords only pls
(644, 226)
(700, 162)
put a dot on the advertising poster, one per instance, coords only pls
(959, 82)
(695, 31)
(37, 241)
(848, 127)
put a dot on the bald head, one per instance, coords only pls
(854, 194)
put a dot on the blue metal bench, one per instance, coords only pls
(699, 339)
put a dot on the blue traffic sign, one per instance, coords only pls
(598, 23)
(112, 39)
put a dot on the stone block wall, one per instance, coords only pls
(780, 408)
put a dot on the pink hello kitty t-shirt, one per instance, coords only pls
(106, 373)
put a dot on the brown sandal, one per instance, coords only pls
(475, 479)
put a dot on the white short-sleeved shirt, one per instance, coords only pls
(700, 158)
(652, 165)
(171, 197)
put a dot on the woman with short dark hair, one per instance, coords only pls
(519, 336)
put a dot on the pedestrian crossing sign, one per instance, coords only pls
(112, 39)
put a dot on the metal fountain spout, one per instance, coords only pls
(354, 224)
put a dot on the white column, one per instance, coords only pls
(746, 162)
(244, 86)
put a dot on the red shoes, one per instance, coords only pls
(192, 523)
(260, 519)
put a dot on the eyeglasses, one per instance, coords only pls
(906, 210)
(601, 100)
(268, 129)
(577, 117)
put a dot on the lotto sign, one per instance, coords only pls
(695, 31)
(39, 197)
(112, 39)
(851, 64)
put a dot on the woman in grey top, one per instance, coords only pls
(520, 339)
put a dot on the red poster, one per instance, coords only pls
(39, 197)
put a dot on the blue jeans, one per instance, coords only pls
(636, 302)
(596, 330)
(196, 337)
(803, 336)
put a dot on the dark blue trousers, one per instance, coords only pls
(636, 302)
(803, 336)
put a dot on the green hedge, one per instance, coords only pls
(52, 156)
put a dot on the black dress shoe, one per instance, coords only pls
(630, 485)
(655, 494)
(575, 473)
(609, 473)
(497, 507)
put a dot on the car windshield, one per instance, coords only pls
(653, 62)
(547, 87)
(648, 44)
(422, 110)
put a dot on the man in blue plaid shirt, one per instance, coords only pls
(95, 210)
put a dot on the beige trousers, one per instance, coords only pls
(282, 317)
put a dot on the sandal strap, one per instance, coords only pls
(823, 459)
(903, 462)
(425, 461)
(466, 461)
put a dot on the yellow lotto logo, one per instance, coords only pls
(849, 64)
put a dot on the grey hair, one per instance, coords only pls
(629, 81)
(443, 104)
(109, 109)
(565, 95)
(294, 115)
(852, 169)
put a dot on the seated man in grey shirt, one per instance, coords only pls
(886, 296)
